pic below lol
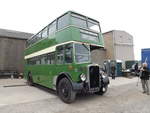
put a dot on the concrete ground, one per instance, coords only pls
(123, 96)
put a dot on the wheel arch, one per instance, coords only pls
(28, 74)
(63, 75)
(30, 78)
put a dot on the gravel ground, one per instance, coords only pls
(122, 97)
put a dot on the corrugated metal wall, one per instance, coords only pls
(98, 56)
(11, 54)
(124, 52)
(2, 55)
(119, 45)
(123, 46)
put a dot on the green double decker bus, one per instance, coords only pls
(59, 57)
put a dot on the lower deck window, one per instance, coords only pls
(82, 53)
(42, 59)
(65, 54)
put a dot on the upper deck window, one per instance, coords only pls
(93, 25)
(38, 36)
(69, 18)
(63, 21)
(79, 21)
(86, 35)
(34, 39)
(84, 22)
(52, 28)
(44, 33)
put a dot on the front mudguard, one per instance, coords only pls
(77, 86)
(105, 80)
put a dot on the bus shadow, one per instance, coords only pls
(5, 77)
(48, 90)
(80, 97)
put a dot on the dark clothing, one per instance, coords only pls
(113, 69)
(145, 74)
(136, 67)
(113, 75)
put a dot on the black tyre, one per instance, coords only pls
(30, 80)
(65, 91)
(102, 91)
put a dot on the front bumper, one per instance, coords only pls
(83, 86)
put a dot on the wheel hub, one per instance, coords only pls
(65, 90)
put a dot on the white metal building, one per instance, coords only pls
(119, 45)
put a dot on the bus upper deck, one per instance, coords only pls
(70, 26)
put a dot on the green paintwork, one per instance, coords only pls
(44, 74)
(71, 33)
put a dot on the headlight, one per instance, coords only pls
(83, 77)
(101, 72)
(103, 76)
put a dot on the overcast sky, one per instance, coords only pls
(132, 16)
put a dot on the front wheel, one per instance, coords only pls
(65, 91)
(102, 90)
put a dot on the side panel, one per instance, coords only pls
(70, 33)
(59, 37)
(44, 74)
(76, 36)
(145, 54)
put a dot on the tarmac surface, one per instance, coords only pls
(123, 96)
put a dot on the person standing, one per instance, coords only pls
(113, 70)
(144, 78)
(136, 69)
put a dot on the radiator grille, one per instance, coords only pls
(94, 76)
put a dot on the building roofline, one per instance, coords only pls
(14, 34)
(116, 30)
(108, 32)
